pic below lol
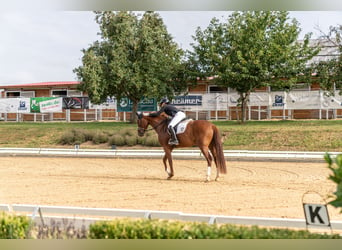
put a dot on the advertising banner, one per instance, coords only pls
(76, 102)
(14, 105)
(110, 103)
(217, 101)
(331, 101)
(126, 105)
(278, 100)
(304, 100)
(187, 100)
(46, 104)
(233, 99)
(259, 99)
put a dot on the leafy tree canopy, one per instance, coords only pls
(135, 58)
(251, 50)
(329, 73)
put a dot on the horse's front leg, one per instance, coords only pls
(165, 164)
(168, 157)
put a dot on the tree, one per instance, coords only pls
(135, 58)
(251, 50)
(329, 73)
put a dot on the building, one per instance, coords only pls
(73, 108)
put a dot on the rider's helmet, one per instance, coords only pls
(164, 100)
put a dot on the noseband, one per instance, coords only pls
(143, 130)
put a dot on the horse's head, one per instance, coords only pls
(142, 124)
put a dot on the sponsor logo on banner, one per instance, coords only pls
(146, 104)
(76, 102)
(23, 105)
(14, 105)
(46, 104)
(278, 101)
(187, 100)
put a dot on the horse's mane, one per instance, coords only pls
(161, 119)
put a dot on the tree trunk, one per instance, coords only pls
(134, 112)
(244, 99)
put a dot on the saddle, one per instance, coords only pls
(181, 126)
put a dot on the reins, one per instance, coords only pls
(149, 129)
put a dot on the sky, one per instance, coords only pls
(39, 46)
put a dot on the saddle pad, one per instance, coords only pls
(181, 127)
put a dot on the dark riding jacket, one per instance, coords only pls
(170, 110)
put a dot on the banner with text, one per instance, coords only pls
(187, 100)
(146, 104)
(46, 104)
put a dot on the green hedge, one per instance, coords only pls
(14, 227)
(20, 227)
(159, 229)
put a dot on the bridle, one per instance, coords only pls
(143, 130)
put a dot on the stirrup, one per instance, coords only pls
(173, 142)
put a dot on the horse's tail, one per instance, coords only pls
(217, 151)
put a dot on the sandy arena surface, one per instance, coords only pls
(262, 189)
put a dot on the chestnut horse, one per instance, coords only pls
(201, 133)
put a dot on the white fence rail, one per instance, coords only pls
(183, 154)
(80, 216)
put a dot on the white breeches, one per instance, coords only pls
(178, 117)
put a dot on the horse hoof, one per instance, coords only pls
(217, 179)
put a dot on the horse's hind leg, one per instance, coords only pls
(213, 152)
(205, 152)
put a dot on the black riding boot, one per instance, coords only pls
(173, 140)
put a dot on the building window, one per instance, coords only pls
(74, 93)
(65, 92)
(298, 86)
(59, 93)
(216, 89)
(13, 94)
(17, 94)
(27, 94)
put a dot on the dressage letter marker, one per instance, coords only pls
(316, 214)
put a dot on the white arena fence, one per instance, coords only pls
(241, 155)
(83, 217)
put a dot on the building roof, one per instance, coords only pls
(41, 84)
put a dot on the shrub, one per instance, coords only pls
(127, 136)
(116, 140)
(152, 141)
(79, 136)
(67, 138)
(88, 135)
(335, 165)
(100, 137)
(130, 140)
(14, 227)
(141, 140)
(129, 132)
(75, 136)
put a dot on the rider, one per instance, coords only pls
(174, 113)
